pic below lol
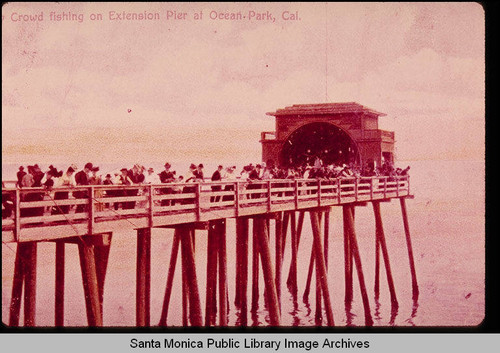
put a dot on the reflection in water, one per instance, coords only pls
(413, 312)
(295, 309)
(376, 314)
(394, 313)
(349, 314)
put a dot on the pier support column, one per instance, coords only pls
(347, 259)
(320, 264)
(255, 266)
(17, 285)
(382, 244)
(278, 254)
(410, 249)
(189, 269)
(170, 278)
(90, 281)
(357, 261)
(143, 277)
(222, 257)
(59, 284)
(267, 269)
(292, 274)
(24, 273)
(242, 251)
(212, 255)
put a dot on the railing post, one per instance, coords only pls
(197, 200)
(356, 182)
(338, 189)
(17, 214)
(269, 196)
(151, 205)
(237, 198)
(91, 209)
(319, 192)
(371, 187)
(296, 193)
(408, 184)
(397, 186)
(385, 187)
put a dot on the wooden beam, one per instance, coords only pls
(242, 244)
(190, 270)
(267, 269)
(359, 268)
(380, 235)
(90, 283)
(410, 249)
(59, 284)
(17, 285)
(143, 277)
(320, 263)
(221, 235)
(170, 278)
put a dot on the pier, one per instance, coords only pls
(286, 202)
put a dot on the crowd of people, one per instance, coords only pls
(33, 176)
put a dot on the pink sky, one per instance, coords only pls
(130, 90)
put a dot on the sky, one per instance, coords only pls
(199, 89)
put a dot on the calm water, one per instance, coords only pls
(447, 227)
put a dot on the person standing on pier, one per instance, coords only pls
(20, 174)
(229, 176)
(66, 180)
(82, 178)
(216, 176)
(166, 176)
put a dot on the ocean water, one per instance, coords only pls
(448, 234)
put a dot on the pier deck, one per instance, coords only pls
(160, 205)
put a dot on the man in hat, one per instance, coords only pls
(20, 174)
(166, 176)
(82, 178)
(216, 176)
(254, 176)
(199, 173)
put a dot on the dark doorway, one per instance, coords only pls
(326, 141)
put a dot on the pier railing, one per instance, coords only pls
(40, 214)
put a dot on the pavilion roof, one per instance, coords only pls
(323, 109)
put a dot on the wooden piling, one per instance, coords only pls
(90, 282)
(376, 288)
(30, 285)
(184, 293)
(102, 246)
(286, 220)
(267, 269)
(381, 236)
(307, 289)
(255, 267)
(347, 259)
(292, 283)
(326, 237)
(212, 254)
(320, 263)
(242, 245)
(359, 268)
(143, 277)
(170, 278)
(17, 285)
(410, 249)
(190, 270)
(292, 273)
(221, 237)
(59, 284)
(278, 255)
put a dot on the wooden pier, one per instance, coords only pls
(90, 218)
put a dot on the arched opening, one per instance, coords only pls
(326, 141)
